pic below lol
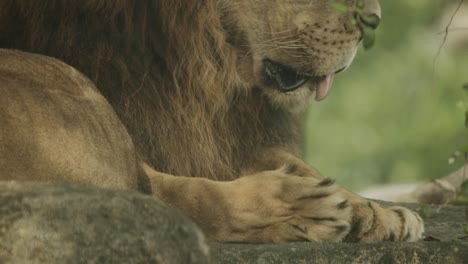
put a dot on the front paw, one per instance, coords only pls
(374, 223)
(278, 207)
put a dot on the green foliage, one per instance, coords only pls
(360, 4)
(366, 23)
(462, 195)
(464, 189)
(339, 6)
(370, 20)
(425, 211)
(463, 149)
(368, 40)
(392, 116)
(466, 125)
(462, 198)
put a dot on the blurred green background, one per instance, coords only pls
(392, 116)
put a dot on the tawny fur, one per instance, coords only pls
(187, 80)
(179, 77)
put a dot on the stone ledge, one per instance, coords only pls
(66, 223)
(444, 225)
(393, 253)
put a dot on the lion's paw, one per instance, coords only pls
(411, 224)
(374, 223)
(278, 207)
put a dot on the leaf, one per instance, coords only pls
(464, 189)
(464, 149)
(465, 229)
(339, 6)
(465, 86)
(466, 119)
(368, 37)
(462, 198)
(425, 211)
(370, 21)
(360, 4)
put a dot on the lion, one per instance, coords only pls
(197, 103)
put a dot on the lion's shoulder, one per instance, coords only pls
(40, 73)
(56, 124)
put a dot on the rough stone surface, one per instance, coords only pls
(64, 223)
(391, 253)
(444, 225)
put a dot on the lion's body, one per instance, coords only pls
(187, 81)
(43, 138)
(201, 136)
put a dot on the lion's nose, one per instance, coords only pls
(371, 13)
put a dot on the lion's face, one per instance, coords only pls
(292, 49)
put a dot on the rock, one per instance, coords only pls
(444, 226)
(310, 253)
(65, 223)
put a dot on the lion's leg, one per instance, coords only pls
(274, 158)
(267, 207)
(290, 203)
(371, 221)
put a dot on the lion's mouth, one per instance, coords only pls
(286, 79)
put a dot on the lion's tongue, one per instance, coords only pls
(323, 87)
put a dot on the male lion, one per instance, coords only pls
(210, 91)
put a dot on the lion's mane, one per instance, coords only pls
(168, 69)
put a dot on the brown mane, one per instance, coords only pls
(167, 69)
